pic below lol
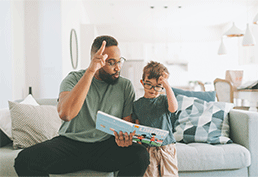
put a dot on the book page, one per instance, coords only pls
(108, 124)
(149, 135)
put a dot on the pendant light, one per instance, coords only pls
(248, 39)
(234, 32)
(222, 49)
(255, 21)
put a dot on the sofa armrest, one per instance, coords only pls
(243, 130)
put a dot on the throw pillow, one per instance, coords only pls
(201, 121)
(33, 124)
(5, 116)
(207, 96)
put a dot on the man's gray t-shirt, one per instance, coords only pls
(116, 100)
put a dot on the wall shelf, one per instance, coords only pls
(182, 64)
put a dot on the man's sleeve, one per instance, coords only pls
(68, 83)
(129, 98)
(134, 116)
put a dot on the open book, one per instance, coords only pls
(249, 85)
(149, 135)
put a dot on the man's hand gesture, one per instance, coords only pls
(98, 60)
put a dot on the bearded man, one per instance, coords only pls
(80, 145)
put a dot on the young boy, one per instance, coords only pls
(157, 110)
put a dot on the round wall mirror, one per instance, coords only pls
(74, 49)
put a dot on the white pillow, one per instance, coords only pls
(29, 100)
(5, 122)
(5, 116)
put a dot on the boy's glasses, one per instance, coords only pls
(112, 62)
(149, 87)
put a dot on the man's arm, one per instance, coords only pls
(70, 102)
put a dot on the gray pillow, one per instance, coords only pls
(201, 121)
(33, 124)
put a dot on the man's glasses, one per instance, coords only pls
(149, 87)
(112, 62)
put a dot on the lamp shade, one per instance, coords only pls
(222, 49)
(248, 39)
(255, 21)
(234, 32)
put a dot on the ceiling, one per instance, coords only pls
(170, 20)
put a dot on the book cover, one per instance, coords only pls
(144, 134)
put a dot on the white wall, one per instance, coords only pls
(88, 34)
(43, 54)
(6, 53)
(73, 15)
(35, 46)
(50, 45)
(19, 90)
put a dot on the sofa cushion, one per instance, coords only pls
(7, 156)
(201, 121)
(207, 96)
(33, 124)
(203, 156)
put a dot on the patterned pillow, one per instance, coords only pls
(206, 96)
(201, 121)
(33, 124)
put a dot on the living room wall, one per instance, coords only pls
(6, 53)
(36, 49)
(35, 45)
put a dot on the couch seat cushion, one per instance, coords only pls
(203, 156)
(7, 156)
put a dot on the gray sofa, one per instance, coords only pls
(194, 159)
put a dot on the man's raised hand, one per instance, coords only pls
(98, 60)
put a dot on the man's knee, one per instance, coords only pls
(27, 163)
(21, 163)
(143, 157)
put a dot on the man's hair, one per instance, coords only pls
(154, 69)
(110, 41)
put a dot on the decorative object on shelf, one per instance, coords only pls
(255, 21)
(248, 39)
(222, 49)
(30, 90)
(234, 32)
(74, 48)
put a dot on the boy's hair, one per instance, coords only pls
(110, 41)
(154, 69)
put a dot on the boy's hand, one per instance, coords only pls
(98, 60)
(163, 80)
(124, 140)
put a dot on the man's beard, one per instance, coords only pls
(108, 78)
